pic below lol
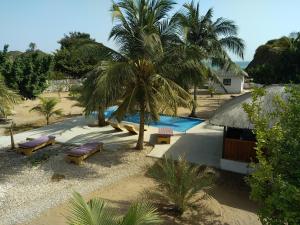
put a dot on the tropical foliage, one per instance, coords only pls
(179, 182)
(275, 183)
(7, 98)
(26, 72)
(206, 43)
(78, 55)
(96, 212)
(277, 61)
(140, 76)
(94, 97)
(47, 108)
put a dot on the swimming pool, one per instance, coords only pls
(180, 124)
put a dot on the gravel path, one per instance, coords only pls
(27, 187)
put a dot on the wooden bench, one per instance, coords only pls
(116, 126)
(78, 154)
(164, 135)
(131, 129)
(29, 147)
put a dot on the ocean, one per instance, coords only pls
(243, 64)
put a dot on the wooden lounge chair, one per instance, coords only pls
(78, 154)
(116, 126)
(131, 129)
(164, 135)
(32, 145)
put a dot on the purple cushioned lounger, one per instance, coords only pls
(84, 149)
(36, 142)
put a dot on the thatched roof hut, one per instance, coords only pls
(232, 114)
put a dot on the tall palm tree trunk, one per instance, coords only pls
(140, 142)
(101, 117)
(193, 113)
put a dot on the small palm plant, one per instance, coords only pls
(178, 183)
(7, 98)
(47, 108)
(96, 212)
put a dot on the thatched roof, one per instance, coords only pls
(233, 73)
(232, 114)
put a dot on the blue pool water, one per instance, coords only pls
(180, 124)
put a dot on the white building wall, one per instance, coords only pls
(236, 87)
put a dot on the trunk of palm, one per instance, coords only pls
(12, 141)
(101, 117)
(193, 113)
(47, 120)
(140, 142)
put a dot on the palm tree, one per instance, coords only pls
(96, 212)
(178, 183)
(93, 98)
(214, 37)
(140, 78)
(90, 95)
(47, 108)
(7, 98)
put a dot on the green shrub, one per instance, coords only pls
(275, 184)
(179, 182)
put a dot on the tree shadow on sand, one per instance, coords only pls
(52, 160)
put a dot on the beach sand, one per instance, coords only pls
(228, 204)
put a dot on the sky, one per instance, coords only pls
(44, 22)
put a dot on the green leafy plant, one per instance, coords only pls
(277, 61)
(179, 182)
(140, 74)
(78, 55)
(96, 212)
(8, 98)
(214, 38)
(47, 108)
(26, 72)
(275, 182)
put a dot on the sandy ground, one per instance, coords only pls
(29, 185)
(26, 120)
(206, 105)
(228, 203)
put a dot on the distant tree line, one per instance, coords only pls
(278, 61)
(27, 72)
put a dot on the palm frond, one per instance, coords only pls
(141, 213)
(7, 98)
(47, 108)
(179, 181)
(234, 44)
(95, 212)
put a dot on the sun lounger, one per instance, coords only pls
(78, 154)
(28, 147)
(164, 135)
(131, 129)
(116, 126)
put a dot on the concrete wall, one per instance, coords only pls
(61, 85)
(236, 87)
(234, 166)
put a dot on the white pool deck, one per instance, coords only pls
(201, 144)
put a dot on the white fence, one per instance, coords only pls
(61, 85)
